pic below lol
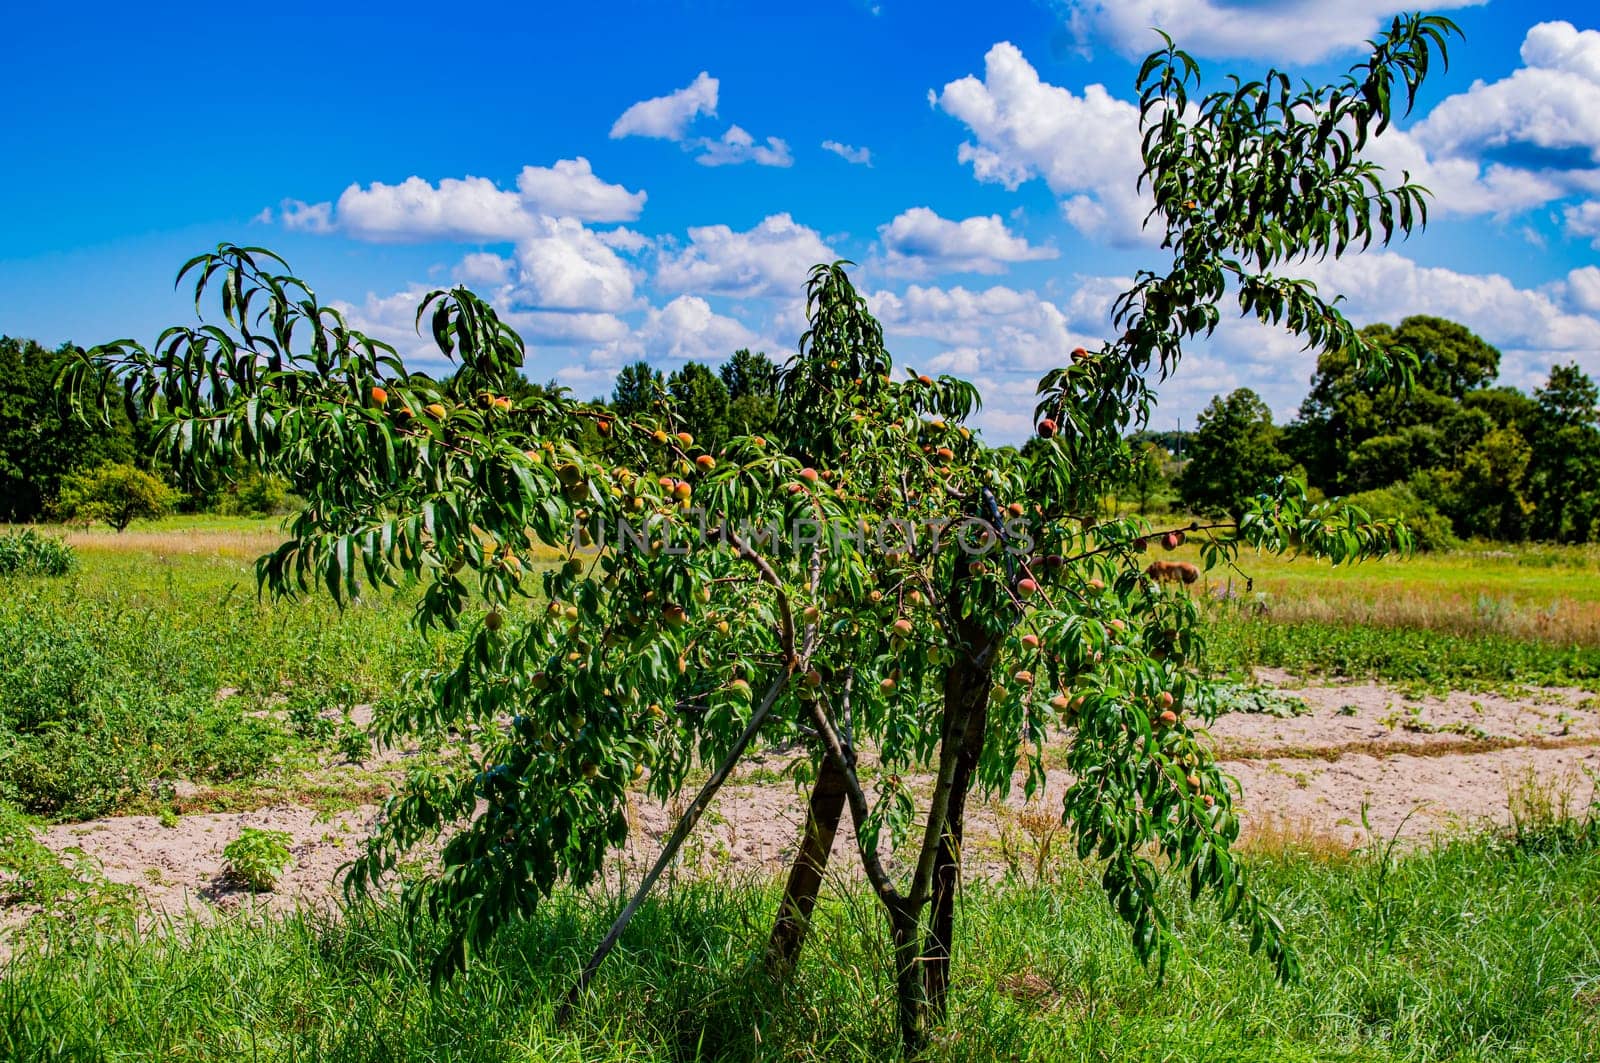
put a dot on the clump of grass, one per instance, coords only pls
(1543, 813)
(27, 553)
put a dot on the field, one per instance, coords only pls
(1415, 742)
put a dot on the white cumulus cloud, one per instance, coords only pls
(736, 146)
(997, 328)
(1086, 148)
(1583, 289)
(1297, 31)
(1552, 103)
(305, 217)
(465, 209)
(1583, 220)
(920, 243)
(668, 117)
(470, 209)
(570, 188)
(769, 260)
(565, 266)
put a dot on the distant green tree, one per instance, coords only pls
(116, 494)
(1451, 359)
(752, 383)
(1504, 406)
(1345, 413)
(1485, 495)
(1564, 466)
(701, 400)
(37, 445)
(1233, 455)
(639, 387)
(747, 374)
(1146, 472)
(256, 494)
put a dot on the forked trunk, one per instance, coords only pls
(805, 877)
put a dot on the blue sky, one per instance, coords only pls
(652, 180)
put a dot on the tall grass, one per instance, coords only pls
(138, 671)
(1483, 950)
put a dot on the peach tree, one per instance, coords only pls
(872, 581)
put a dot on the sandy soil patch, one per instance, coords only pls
(1421, 768)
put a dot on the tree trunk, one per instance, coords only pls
(910, 996)
(805, 877)
(966, 696)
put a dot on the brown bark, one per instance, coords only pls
(910, 995)
(805, 876)
(966, 696)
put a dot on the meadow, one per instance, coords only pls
(151, 679)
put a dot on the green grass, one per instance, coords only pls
(1483, 950)
(110, 678)
(1479, 617)
(1405, 655)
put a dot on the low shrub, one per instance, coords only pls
(27, 553)
(1431, 529)
(258, 858)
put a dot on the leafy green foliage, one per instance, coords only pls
(38, 445)
(255, 495)
(97, 705)
(258, 858)
(1233, 452)
(1430, 529)
(114, 494)
(1254, 699)
(27, 553)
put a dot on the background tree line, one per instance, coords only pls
(1457, 454)
(53, 467)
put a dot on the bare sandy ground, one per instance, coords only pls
(1420, 769)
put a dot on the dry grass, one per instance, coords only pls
(244, 544)
(234, 538)
(1536, 593)
(1285, 838)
